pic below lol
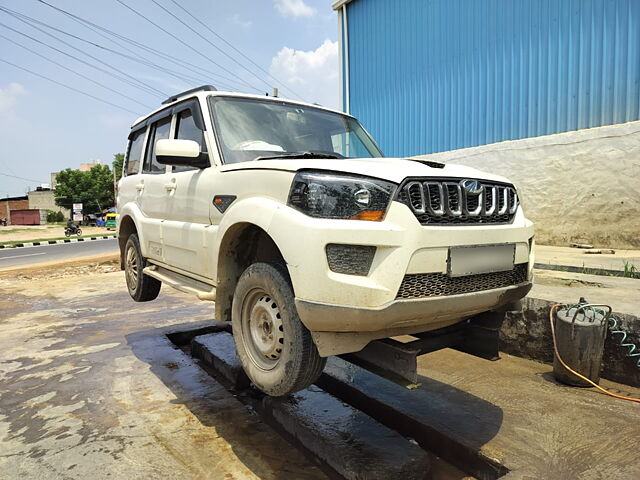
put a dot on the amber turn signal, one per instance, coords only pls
(371, 215)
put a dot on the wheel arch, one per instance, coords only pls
(243, 244)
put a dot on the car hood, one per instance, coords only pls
(392, 169)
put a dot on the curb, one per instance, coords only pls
(56, 242)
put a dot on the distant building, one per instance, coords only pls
(43, 199)
(84, 167)
(8, 204)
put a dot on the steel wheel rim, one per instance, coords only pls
(262, 329)
(131, 268)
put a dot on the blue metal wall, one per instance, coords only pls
(434, 75)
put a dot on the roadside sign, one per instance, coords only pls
(77, 206)
(77, 217)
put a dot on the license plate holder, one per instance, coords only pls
(478, 259)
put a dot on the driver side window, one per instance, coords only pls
(186, 129)
(159, 130)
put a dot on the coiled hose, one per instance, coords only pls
(552, 313)
(632, 347)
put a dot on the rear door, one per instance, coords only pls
(152, 189)
(127, 187)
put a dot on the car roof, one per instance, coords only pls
(204, 93)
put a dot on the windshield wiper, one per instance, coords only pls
(298, 155)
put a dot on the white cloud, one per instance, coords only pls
(294, 8)
(9, 98)
(313, 74)
(238, 20)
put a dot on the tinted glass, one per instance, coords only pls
(186, 129)
(135, 152)
(251, 128)
(159, 130)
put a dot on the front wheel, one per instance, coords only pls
(67, 233)
(275, 348)
(78, 232)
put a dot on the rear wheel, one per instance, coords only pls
(67, 233)
(142, 288)
(275, 348)
(78, 232)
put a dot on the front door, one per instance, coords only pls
(188, 226)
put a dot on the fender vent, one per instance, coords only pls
(350, 259)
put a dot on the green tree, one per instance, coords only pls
(118, 161)
(94, 189)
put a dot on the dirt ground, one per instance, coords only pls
(17, 233)
(92, 388)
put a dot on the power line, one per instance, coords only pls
(93, 26)
(188, 46)
(207, 40)
(130, 80)
(148, 63)
(68, 87)
(234, 48)
(21, 178)
(77, 59)
(77, 73)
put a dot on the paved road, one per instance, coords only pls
(15, 257)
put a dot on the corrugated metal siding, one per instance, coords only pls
(435, 75)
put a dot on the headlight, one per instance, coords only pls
(328, 195)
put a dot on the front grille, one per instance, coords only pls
(423, 285)
(350, 259)
(447, 201)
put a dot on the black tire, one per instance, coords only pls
(142, 288)
(275, 348)
(78, 232)
(67, 233)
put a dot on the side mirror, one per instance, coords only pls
(184, 153)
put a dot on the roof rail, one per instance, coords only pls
(203, 88)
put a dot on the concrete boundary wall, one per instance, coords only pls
(580, 186)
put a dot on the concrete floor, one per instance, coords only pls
(89, 388)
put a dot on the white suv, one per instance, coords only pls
(310, 242)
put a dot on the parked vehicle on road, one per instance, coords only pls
(310, 242)
(72, 230)
(111, 221)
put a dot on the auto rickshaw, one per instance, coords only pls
(110, 222)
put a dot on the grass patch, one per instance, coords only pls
(14, 230)
(630, 270)
(45, 240)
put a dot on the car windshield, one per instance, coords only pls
(252, 129)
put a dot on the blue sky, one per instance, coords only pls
(46, 127)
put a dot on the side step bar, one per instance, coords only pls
(180, 282)
(397, 361)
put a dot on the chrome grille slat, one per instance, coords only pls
(459, 201)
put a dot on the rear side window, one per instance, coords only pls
(159, 130)
(186, 129)
(132, 164)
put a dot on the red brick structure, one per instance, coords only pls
(12, 203)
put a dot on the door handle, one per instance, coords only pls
(169, 187)
(140, 187)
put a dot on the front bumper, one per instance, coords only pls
(417, 314)
(335, 302)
